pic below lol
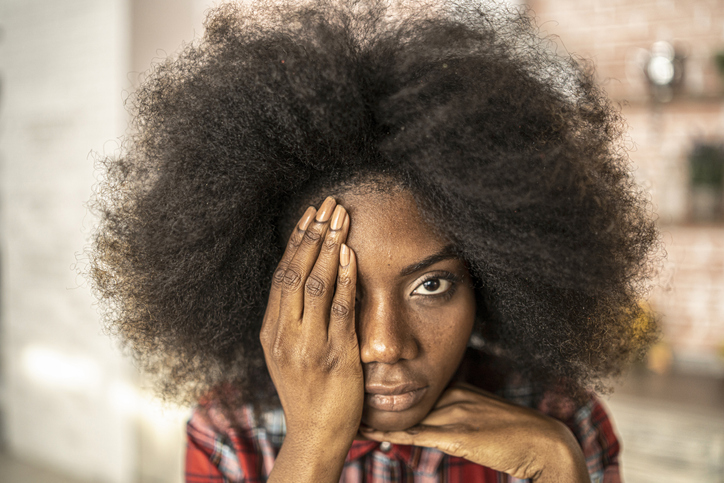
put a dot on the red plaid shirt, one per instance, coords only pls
(220, 452)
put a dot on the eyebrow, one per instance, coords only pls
(446, 253)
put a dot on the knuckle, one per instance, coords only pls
(315, 286)
(279, 273)
(340, 309)
(301, 356)
(309, 359)
(312, 236)
(332, 363)
(296, 239)
(459, 412)
(344, 281)
(557, 427)
(279, 351)
(455, 447)
(292, 278)
(264, 336)
(331, 241)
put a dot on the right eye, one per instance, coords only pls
(433, 286)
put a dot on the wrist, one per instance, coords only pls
(310, 456)
(320, 441)
(325, 432)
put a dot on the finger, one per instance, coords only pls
(463, 392)
(291, 303)
(449, 414)
(359, 436)
(319, 287)
(473, 389)
(442, 438)
(295, 239)
(341, 318)
(454, 395)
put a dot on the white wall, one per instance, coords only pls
(63, 66)
(68, 399)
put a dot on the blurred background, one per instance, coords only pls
(73, 408)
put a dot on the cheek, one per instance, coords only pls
(447, 331)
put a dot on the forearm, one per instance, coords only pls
(310, 460)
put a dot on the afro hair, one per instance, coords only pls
(509, 148)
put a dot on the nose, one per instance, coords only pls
(385, 334)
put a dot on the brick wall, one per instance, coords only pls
(612, 32)
(616, 34)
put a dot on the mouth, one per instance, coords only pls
(393, 398)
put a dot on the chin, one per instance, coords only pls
(392, 421)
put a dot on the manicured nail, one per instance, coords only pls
(338, 218)
(307, 218)
(344, 255)
(325, 211)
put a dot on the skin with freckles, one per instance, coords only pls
(367, 322)
(412, 326)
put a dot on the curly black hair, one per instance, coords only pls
(509, 149)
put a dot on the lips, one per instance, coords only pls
(393, 398)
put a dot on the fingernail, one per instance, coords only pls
(338, 218)
(344, 255)
(307, 218)
(326, 209)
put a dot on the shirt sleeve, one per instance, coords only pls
(201, 457)
(210, 454)
(594, 431)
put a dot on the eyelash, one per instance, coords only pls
(443, 275)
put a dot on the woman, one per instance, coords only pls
(378, 243)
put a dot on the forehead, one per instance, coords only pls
(387, 231)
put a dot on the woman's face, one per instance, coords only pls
(415, 308)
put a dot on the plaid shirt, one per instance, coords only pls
(218, 452)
